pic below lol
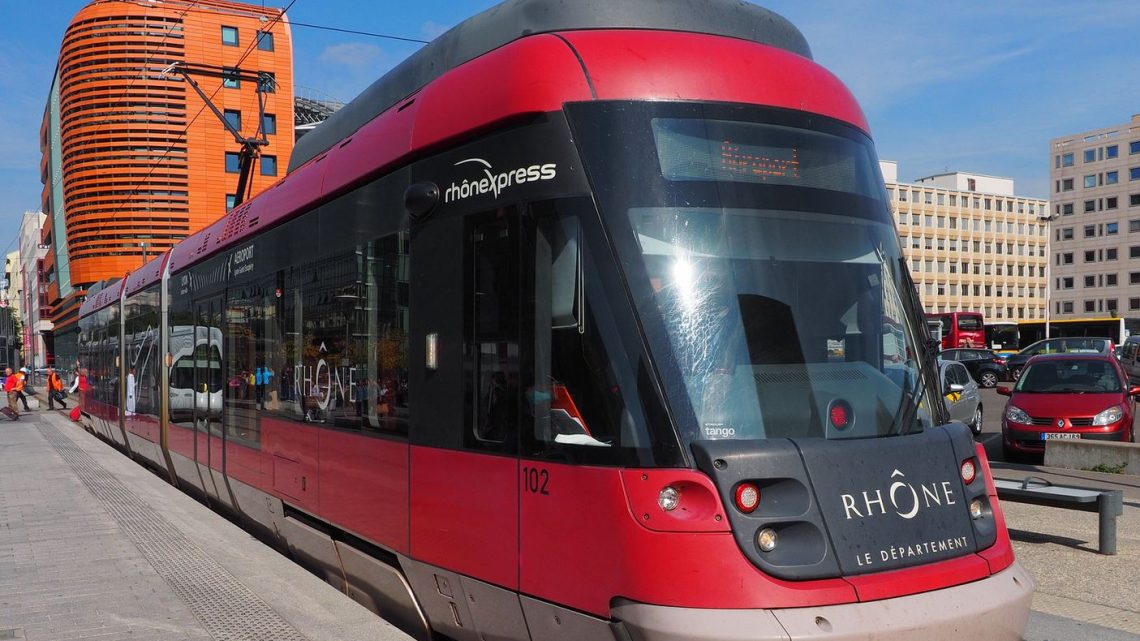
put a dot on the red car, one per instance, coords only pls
(1067, 396)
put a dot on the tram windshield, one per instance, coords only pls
(769, 277)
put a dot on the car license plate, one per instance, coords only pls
(1052, 436)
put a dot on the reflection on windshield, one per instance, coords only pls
(1069, 377)
(783, 324)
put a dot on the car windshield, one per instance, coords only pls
(1069, 346)
(1069, 376)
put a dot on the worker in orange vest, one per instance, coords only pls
(21, 383)
(55, 389)
(10, 382)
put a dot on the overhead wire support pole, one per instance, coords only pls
(251, 145)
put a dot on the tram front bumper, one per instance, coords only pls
(995, 608)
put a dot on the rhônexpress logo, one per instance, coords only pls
(495, 183)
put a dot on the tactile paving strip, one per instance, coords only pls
(227, 609)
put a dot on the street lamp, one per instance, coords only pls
(1047, 219)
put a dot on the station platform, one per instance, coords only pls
(94, 546)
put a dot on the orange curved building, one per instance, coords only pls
(133, 159)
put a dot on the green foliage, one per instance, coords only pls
(1108, 469)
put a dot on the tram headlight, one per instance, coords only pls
(766, 539)
(747, 497)
(977, 510)
(969, 471)
(669, 498)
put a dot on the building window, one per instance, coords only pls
(1090, 181)
(1134, 303)
(1134, 252)
(1090, 306)
(1090, 281)
(1067, 160)
(1090, 205)
(230, 36)
(1090, 155)
(269, 165)
(1110, 203)
(1067, 282)
(902, 195)
(953, 200)
(230, 78)
(265, 41)
(1110, 304)
(1066, 258)
(971, 185)
(1067, 184)
(1111, 177)
(1067, 209)
(1134, 147)
(1090, 231)
(1067, 307)
(1110, 280)
(1134, 200)
(233, 117)
(1090, 256)
(1133, 226)
(1110, 253)
(1111, 151)
(230, 200)
(233, 162)
(267, 82)
(269, 124)
(1111, 228)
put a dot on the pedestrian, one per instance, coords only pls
(10, 381)
(131, 392)
(80, 383)
(21, 385)
(55, 389)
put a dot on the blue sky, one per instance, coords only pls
(966, 85)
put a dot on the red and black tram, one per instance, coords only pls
(588, 321)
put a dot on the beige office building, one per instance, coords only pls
(972, 245)
(1095, 178)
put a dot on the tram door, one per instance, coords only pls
(208, 379)
(466, 405)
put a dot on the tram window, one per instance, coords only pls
(583, 385)
(495, 330)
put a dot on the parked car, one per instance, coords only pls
(1130, 357)
(960, 393)
(1067, 345)
(1067, 396)
(984, 365)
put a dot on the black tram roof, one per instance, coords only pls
(515, 19)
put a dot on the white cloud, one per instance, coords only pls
(353, 54)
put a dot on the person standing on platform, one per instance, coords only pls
(10, 388)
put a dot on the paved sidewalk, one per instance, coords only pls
(1059, 547)
(94, 546)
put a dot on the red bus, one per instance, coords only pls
(572, 326)
(961, 329)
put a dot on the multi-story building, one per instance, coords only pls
(971, 243)
(1095, 232)
(33, 291)
(133, 158)
(10, 330)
